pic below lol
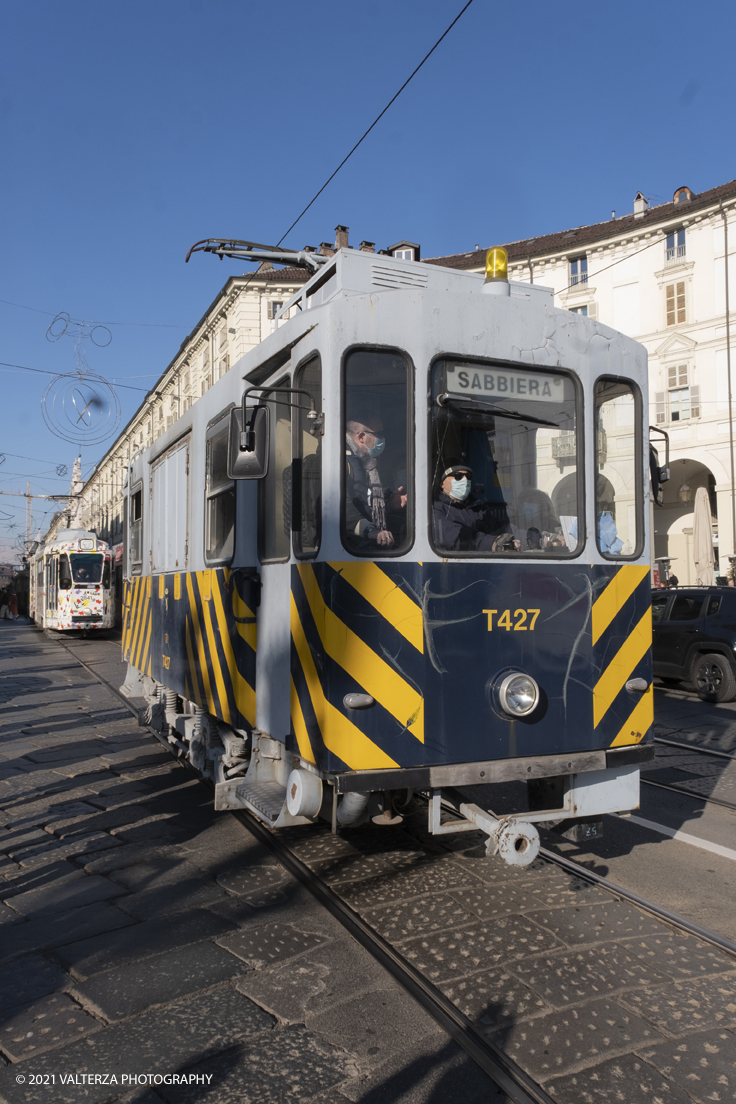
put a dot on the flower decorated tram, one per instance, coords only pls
(71, 583)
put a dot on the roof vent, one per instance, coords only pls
(640, 205)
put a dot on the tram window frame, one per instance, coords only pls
(267, 485)
(66, 580)
(580, 483)
(638, 433)
(220, 490)
(298, 482)
(136, 493)
(375, 552)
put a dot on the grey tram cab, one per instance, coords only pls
(403, 546)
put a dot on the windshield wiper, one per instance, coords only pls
(446, 399)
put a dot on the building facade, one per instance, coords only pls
(659, 275)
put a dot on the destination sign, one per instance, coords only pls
(505, 383)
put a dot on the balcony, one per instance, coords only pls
(675, 255)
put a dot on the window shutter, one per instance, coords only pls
(682, 375)
(661, 411)
(672, 376)
(694, 402)
(670, 298)
(681, 301)
(593, 311)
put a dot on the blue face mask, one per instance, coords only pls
(378, 447)
(460, 489)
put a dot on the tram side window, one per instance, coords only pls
(504, 469)
(307, 469)
(274, 491)
(378, 512)
(618, 485)
(106, 574)
(136, 527)
(220, 492)
(65, 573)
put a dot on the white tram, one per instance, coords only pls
(71, 583)
(320, 624)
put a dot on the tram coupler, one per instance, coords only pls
(515, 840)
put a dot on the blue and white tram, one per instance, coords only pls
(404, 545)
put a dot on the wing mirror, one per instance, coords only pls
(658, 475)
(247, 445)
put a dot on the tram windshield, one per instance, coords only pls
(86, 567)
(504, 460)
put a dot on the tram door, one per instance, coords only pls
(289, 521)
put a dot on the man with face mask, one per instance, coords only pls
(464, 523)
(372, 516)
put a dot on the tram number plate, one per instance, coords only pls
(519, 620)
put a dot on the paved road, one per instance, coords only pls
(141, 931)
(146, 934)
(697, 884)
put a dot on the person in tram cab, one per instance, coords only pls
(464, 523)
(374, 516)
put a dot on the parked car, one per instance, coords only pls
(694, 638)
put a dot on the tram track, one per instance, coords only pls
(503, 1071)
(519, 1087)
(673, 787)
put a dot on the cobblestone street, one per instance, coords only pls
(145, 934)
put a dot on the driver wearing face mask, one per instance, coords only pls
(464, 523)
(373, 515)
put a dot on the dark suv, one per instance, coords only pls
(694, 638)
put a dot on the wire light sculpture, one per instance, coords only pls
(80, 407)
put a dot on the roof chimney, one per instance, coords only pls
(367, 247)
(640, 205)
(326, 249)
(341, 237)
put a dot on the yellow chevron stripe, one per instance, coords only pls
(371, 672)
(215, 657)
(137, 619)
(146, 645)
(619, 669)
(245, 697)
(145, 621)
(131, 604)
(249, 633)
(639, 723)
(192, 665)
(299, 725)
(385, 597)
(622, 586)
(340, 735)
(201, 650)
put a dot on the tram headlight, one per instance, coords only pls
(518, 694)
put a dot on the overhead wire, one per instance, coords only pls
(155, 325)
(375, 121)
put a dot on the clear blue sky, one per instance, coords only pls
(130, 130)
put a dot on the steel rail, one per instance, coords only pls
(693, 747)
(674, 788)
(502, 1070)
(659, 911)
(509, 1077)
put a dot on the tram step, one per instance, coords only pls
(267, 797)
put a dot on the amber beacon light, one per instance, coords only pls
(497, 272)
